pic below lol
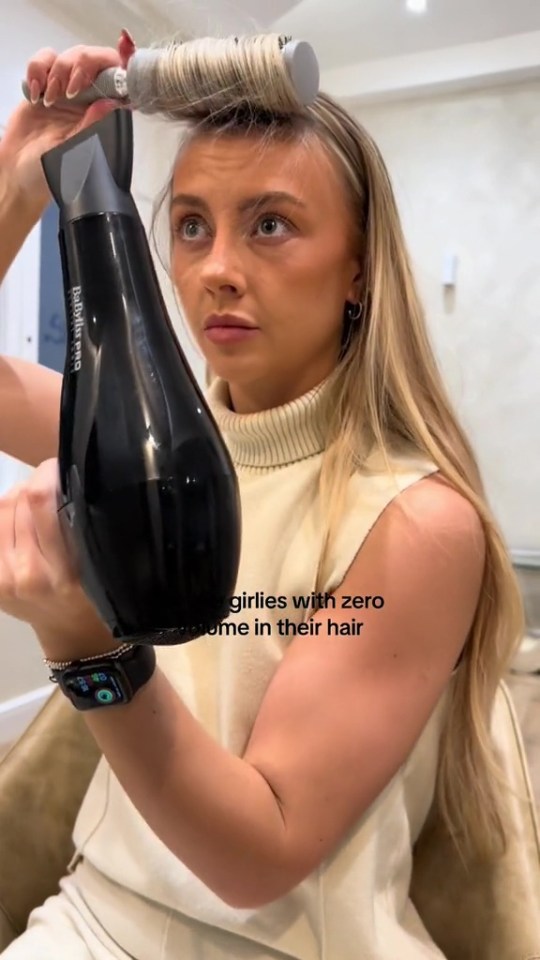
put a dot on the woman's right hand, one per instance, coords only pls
(35, 128)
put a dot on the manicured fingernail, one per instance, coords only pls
(51, 93)
(127, 44)
(75, 85)
(35, 91)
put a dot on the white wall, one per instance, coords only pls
(466, 169)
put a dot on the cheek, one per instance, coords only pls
(183, 278)
(317, 285)
(319, 269)
(185, 293)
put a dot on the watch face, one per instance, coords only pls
(101, 685)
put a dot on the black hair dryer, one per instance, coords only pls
(148, 495)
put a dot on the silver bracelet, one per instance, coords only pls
(111, 655)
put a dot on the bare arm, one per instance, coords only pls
(18, 216)
(29, 394)
(29, 410)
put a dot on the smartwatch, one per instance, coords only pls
(107, 680)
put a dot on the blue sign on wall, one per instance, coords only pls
(52, 314)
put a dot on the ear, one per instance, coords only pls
(354, 291)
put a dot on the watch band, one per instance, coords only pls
(105, 680)
(109, 655)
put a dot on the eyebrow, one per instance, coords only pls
(250, 203)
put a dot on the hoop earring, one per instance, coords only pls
(354, 311)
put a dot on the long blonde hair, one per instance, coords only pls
(387, 379)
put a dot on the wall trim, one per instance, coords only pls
(16, 714)
(530, 559)
(501, 61)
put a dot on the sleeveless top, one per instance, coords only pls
(356, 905)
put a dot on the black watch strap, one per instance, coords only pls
(107, 680)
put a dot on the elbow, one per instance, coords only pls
(271, 883)
(250, 899)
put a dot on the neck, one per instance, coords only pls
(265, 394)
(273, 437)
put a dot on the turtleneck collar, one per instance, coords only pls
(274, 437)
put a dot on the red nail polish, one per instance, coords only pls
(125, 35)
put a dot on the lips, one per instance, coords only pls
(228, 320)
(229, 330)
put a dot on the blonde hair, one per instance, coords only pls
(388, 380)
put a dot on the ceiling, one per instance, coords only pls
(366, 48)
(348, 31)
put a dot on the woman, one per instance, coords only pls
(260, 797)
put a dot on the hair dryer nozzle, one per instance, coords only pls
(91, 172)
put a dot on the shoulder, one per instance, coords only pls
(432, 516)
(425, 554)
(419, 499)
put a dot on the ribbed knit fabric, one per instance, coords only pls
(273, 438)
(356, 905)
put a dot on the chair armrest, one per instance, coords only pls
(43, 779)
(477, 911)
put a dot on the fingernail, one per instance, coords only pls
(35, 92)
(51, 93)
(75, 85)
(127, 41)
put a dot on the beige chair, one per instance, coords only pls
(486, 913)
(480, 914)
(42, 782)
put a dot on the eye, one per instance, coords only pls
(188, 228)
(270, 222)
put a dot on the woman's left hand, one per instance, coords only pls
(39, 581)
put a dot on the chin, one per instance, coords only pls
(238, 370)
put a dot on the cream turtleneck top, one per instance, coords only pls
(355, 906)
(272, 438)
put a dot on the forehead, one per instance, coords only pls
(225, 167)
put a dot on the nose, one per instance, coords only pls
(222, 270)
